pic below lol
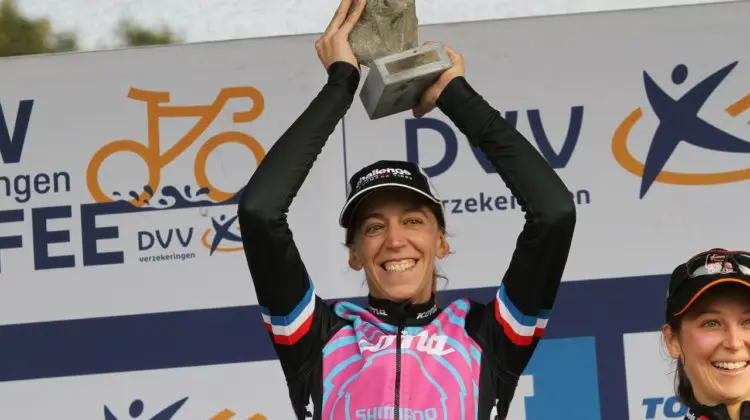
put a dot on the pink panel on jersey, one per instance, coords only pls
(439, 368)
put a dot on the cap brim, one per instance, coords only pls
(690, 292)
(354, 201)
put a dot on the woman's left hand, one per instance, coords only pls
(429, 99)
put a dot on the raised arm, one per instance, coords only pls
(291, 310)
(515, 321)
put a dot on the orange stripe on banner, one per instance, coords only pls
(739, 107)
(227, 414)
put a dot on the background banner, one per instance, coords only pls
(149, 311)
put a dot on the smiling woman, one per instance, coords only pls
(395, 228)
(402, 356)
(707, 332)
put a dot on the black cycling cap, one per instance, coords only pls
(703, 271)
(388, 173)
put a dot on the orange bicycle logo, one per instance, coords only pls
(152, 155)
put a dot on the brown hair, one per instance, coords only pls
(683, 387)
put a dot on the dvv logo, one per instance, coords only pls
(562, 128)
(118, 195)
(220, 233)
(539, 135)
(679, 123)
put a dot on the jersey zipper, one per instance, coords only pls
(398, 373)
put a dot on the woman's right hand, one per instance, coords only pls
(334, 44)
(429, 98)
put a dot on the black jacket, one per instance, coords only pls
(495, 338)
(718, 412)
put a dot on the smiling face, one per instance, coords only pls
(396, 240)
(713, 342)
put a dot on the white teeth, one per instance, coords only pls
(396, 266)
(730, 365)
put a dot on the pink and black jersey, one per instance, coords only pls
(391, 360)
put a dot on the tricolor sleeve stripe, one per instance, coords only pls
(519, 328)
(288, 329)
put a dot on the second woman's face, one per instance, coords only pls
(714, 345)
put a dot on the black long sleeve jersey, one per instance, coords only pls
(400, 360)
(697, 411)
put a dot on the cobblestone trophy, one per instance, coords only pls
(385, 40)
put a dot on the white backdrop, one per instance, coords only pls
(80, 280)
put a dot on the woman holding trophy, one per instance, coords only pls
(401, 357)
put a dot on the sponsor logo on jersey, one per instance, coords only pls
(387, 413)
(434, 345)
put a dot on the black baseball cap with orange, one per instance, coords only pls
(702, 272)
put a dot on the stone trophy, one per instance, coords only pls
(385, 40)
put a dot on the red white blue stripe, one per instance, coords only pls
(519, 328)
(290, 328)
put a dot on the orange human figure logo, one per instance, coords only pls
(151, 152)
